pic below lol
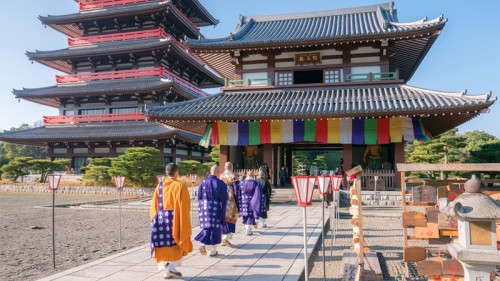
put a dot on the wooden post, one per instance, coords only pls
(268, 158)
(224, 155)
(357, 217)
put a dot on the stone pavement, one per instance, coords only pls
(274, 253)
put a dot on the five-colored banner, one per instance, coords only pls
(335, 131)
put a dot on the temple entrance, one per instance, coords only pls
(316, 162)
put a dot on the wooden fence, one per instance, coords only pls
(386, 180)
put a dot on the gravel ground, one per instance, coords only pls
(382, 234)
(82, 235)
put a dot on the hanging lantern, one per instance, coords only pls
(304, 188)
(336, 182)
(323, 184)
(160, 178)
(119, 180)
(54, 181)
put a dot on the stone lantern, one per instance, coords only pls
(476, 214)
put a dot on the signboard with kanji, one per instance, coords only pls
(308, 58)
(425, 193)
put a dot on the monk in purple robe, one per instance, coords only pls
(212, 201)
(250, 201)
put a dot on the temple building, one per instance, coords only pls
(333, 79)
(122, 55)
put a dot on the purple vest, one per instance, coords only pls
(161, 225)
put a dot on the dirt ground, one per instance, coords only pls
(82, 235)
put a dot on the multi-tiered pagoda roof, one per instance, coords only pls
(121, 55)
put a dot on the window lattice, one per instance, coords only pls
(334, 76)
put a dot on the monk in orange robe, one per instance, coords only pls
(173, 241)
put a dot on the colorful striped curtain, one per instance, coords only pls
(336, 131)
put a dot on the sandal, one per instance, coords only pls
(203, 251)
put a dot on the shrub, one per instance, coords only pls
(139, 165)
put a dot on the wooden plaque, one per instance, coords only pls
(449, 192)
(443, 240)
(429, 231)
(428, 267)
(432, 214)
(449, 233)
(452, 267)
(412, 218)
(424, 193)
(354, 170)
(446, 222)
(445, 278)
(413, 254)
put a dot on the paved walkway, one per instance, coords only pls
(274, 253)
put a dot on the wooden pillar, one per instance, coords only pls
(347, 154)
(274, 168)
(289, 162)
(347, 157)
(399, 157)
(268, 158)
(271, 65)
(223, 155)
(161, 145)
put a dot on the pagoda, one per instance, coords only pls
(334, 79)
(122, 55)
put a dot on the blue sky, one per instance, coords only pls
(465, 56)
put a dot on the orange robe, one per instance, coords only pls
(175, 197)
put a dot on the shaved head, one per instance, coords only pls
(228, 166)
(214, 170)
(249, 174)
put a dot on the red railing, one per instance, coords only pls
(130, 36)
(109, 75)
(94, 118)
(123, 74)
(118, 37)
(97, 4)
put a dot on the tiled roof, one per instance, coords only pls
(358, 101)
(138, 130)
(58, 58)
(364, 21)
(323, 102)
(50, 95)
(66, 23)
(409, 41)
(203, 17)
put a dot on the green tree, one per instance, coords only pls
(487, 153)
(9, 151)
(448, 147)
(139, 165)
(45, 167)
(476, 139)
(300, 159)
(187, 167)
(205, 168)
(17, 167)
(320, 162)
(97, 172)
(215, 153)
